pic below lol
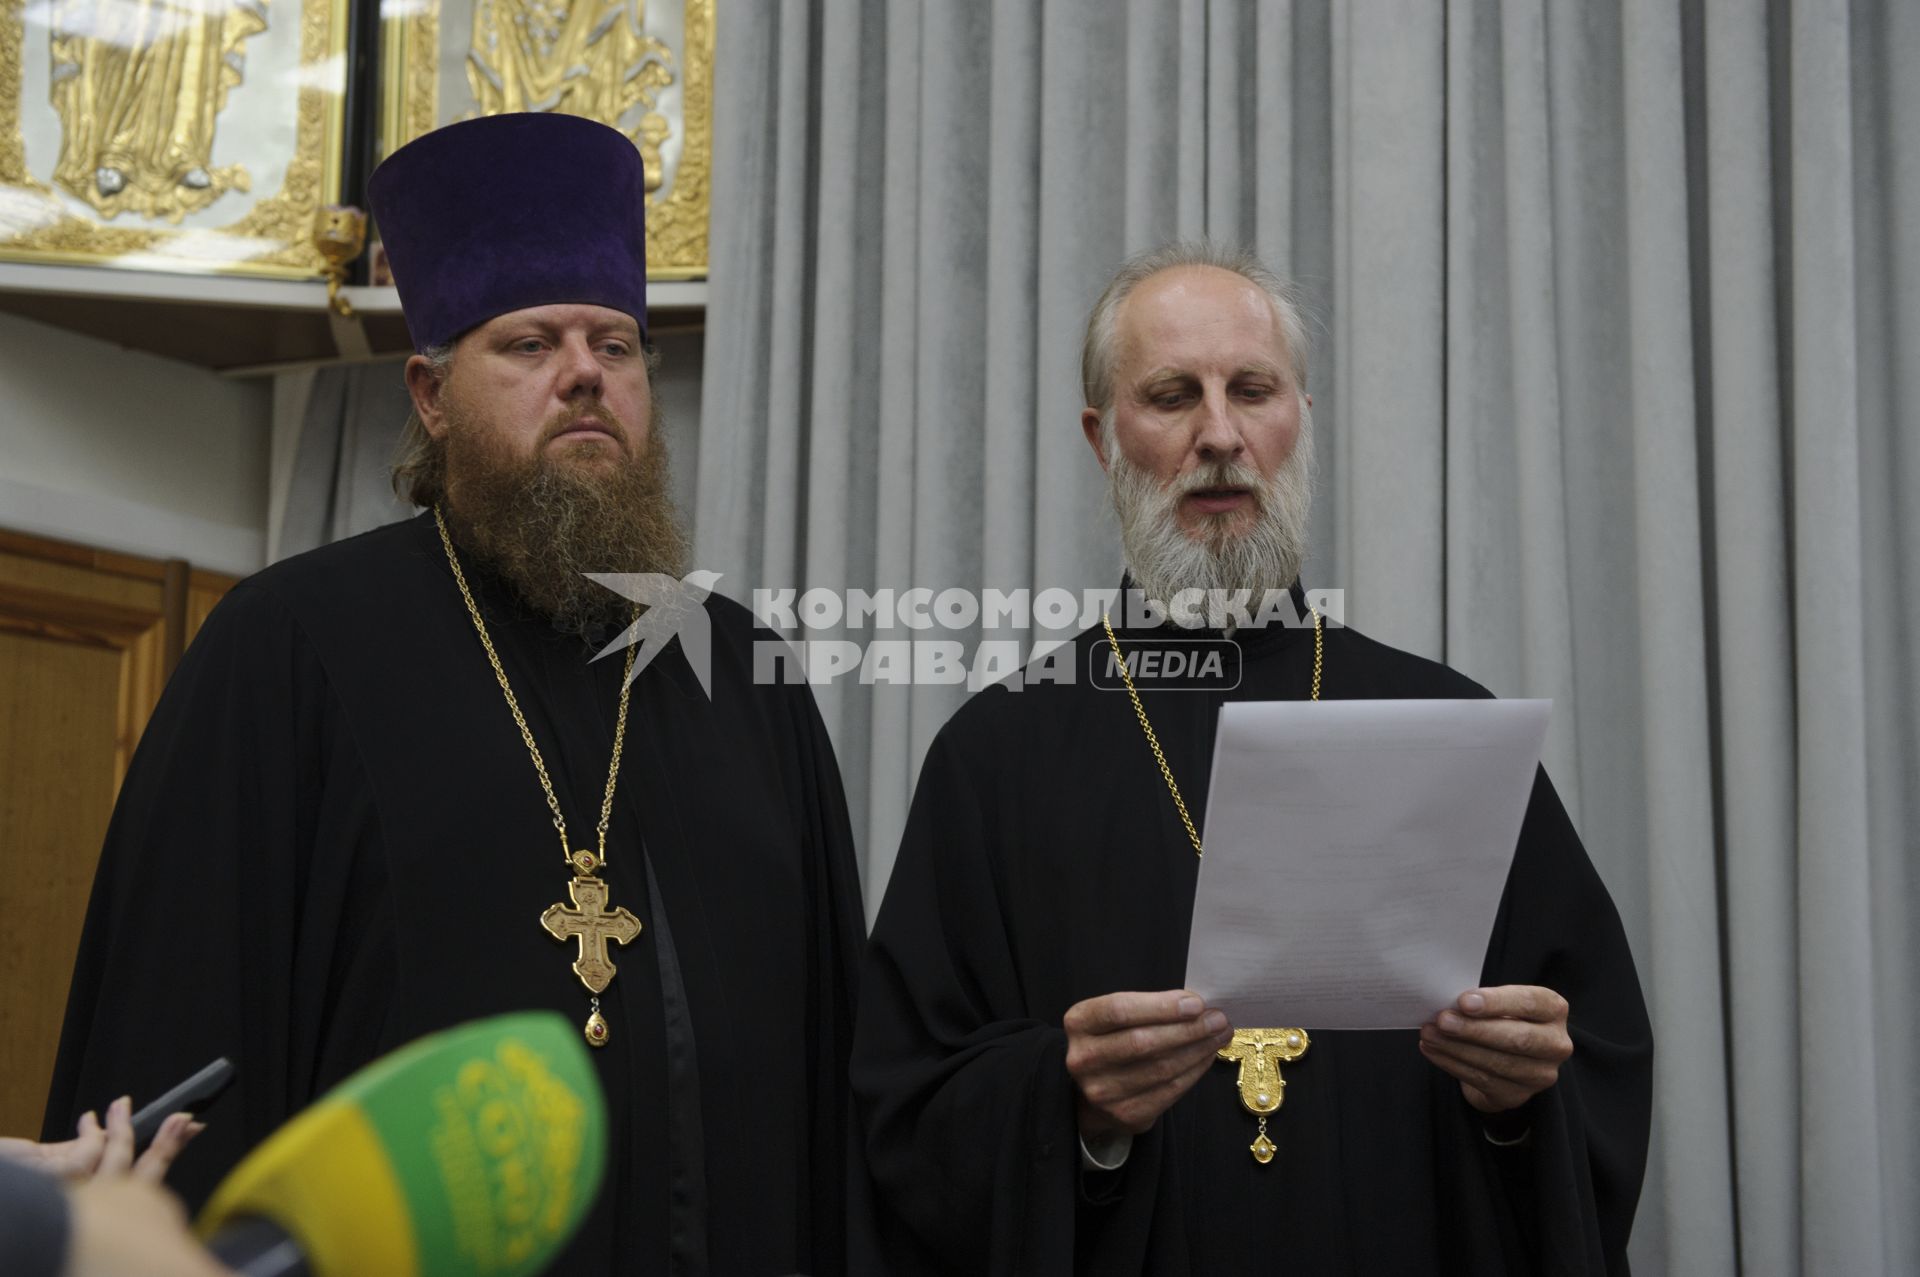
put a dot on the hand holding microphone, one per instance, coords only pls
(115, 1218)
(476, 1150)
(121, 1226)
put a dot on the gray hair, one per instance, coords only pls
(1097, 354)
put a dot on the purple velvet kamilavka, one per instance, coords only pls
(505, 212)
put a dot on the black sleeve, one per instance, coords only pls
(967, 1108)
(225, 897)
(33, 1222)
(1576, 1181)
(838, 932)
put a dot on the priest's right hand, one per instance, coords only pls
(1131, 1055)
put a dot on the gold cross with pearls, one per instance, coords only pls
(1259, 1053)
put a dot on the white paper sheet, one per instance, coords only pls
(1355, 856)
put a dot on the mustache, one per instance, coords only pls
(1220, 474)
(590, 415)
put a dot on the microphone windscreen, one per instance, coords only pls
(475, 1150)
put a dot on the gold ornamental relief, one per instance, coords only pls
(677, 225)
(577, 57)
(139, 86)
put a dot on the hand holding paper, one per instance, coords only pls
(1505, 1044)
(1131, 1055)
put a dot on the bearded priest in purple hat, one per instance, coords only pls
(390, 787)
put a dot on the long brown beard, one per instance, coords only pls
(543, 522)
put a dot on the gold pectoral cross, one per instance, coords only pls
(592, 924)
(1260, 1053)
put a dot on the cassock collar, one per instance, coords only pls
(1258, 640)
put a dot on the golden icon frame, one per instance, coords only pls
(282, 220)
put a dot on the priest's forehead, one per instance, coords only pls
(1099, 353)
(1200, 318)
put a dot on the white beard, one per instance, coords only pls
(1165, 560)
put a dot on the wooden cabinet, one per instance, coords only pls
(87, 639)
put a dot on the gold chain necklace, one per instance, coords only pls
(589, 921)
(1258, 1052)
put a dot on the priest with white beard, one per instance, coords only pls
(1037, 1093)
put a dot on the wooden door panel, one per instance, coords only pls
(86, 641)
(61, 722)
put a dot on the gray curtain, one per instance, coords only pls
(1619, 319)
(344, 431)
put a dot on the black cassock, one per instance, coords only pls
(332, 840)
(1044, 863)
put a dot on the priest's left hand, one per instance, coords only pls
(1504, 1044)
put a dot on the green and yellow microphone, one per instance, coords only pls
(477, 1150)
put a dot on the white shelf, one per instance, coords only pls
(36, 279)
(675, 295)
(240, 326)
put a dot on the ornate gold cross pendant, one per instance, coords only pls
(592, 924)
(1259, 1053)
